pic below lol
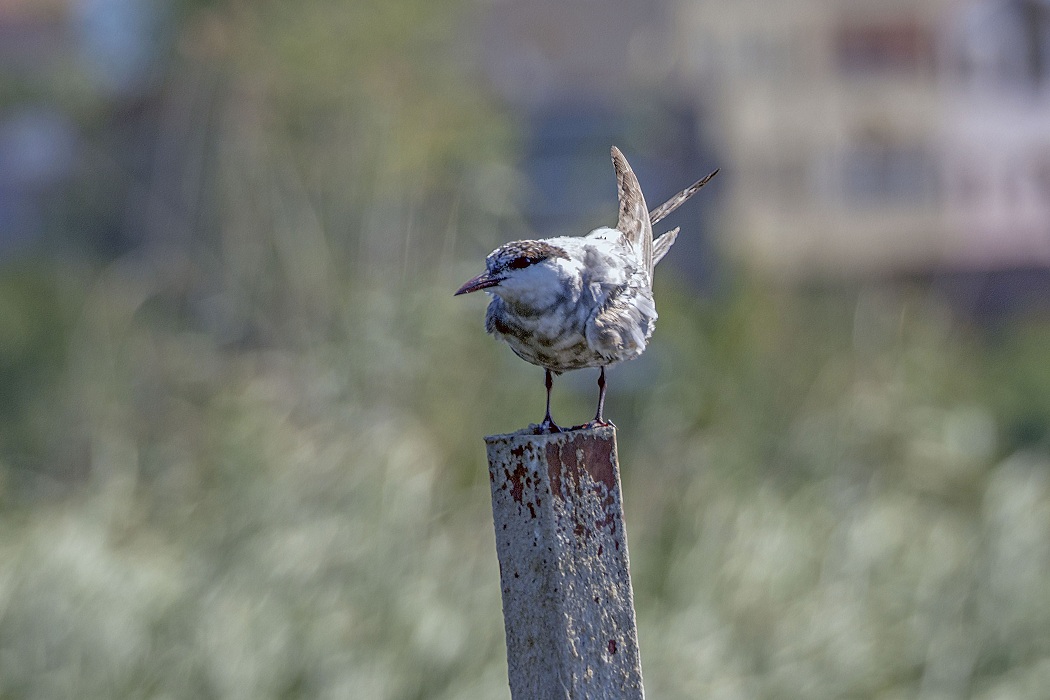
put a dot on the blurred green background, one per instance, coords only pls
(241, 413)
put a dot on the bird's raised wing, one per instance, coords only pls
(634, 216)
(678, 200)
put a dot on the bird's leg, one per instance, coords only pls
(548, 425)
(599, 420)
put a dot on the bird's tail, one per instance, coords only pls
(663, 244)
(634, 215)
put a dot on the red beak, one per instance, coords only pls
(482, 281)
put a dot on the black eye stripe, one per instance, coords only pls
(517, 255)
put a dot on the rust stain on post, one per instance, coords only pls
(567, 601)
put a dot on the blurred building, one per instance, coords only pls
(903, 136)
(879, 137)
(996, 125)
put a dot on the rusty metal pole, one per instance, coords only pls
(568, 607)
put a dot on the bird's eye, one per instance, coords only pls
(518, 263)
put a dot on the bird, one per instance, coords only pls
(575, 302)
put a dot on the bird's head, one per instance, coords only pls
(515, 264)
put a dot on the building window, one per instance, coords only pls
(879, 171)
(901, 48)
(1006, 42)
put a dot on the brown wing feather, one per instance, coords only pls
(678, 200)
(634, 216)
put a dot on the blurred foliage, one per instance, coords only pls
(243, 459)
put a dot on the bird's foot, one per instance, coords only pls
(590, 425)
(547, 427)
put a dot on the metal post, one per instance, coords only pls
(568, 606)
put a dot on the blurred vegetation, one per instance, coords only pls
(243, 458)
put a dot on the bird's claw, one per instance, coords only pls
(547, 427)
(590, 425)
